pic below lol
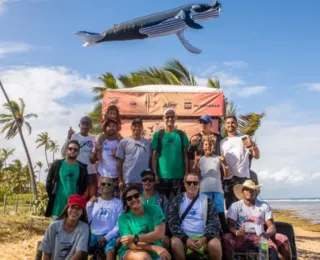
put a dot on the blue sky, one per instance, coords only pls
(266, 54)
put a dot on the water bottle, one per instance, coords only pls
(263, 249)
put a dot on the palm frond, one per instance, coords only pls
(30, 115)
(213, 83)
(28, 126)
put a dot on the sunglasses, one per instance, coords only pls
(148, 180)
(203, 122)
(73, 149)
(136, 196)
(109, 184)
(195, 183)
(168, 117)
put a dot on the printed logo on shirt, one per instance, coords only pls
(170, 141)
(192, 212)
(86, 146)
(64, 252)
(252, 219)
(69, 176)
(103, 214)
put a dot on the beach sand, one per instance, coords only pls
(24, 247)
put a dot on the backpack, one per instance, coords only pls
(160, 136)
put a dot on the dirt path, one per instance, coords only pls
(308, 244)
(24, 250)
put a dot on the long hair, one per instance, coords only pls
(124, 195)
(64, 214)
(113, 108)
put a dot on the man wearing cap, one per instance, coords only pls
(86, 142)
(237, 149)
(104, 152)
(196, 140)
(169, 156)
(247, 219)
(133, 156)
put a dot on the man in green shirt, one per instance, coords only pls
(169, 156)
(65, 177)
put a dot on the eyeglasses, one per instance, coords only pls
(73, 149)
(148, 179)
(195, 183)
(109, 184)
(136, 196)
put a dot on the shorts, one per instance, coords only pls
(93, 244)
(200, 250)
(251, 240)
(217, 199)
(92, 179)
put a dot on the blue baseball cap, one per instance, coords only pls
(206, 119)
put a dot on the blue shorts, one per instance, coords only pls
(94, 243)
(218, 200)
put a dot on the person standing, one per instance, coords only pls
(104, 152)
(133, 156)
(205, 122)
(169, 156)
(86, 142)
(65, 177)
(236, 148)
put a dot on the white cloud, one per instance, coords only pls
(41, 88)
(235, 64)
(251, 91)
(314, 86)
(14, 47)
(289, 163)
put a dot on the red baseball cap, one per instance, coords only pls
(76, 199)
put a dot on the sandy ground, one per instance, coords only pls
(308, 244)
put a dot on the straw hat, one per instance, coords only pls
(237, 189)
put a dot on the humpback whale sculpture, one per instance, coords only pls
(174, 21)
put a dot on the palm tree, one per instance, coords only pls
(5, 154)
(54, 148)
(40, 165)
(19, 119)
(17, 176)
(44, 140)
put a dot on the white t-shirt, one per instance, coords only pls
(210, 174)
(237, 156)
(104, 215)
(86, 144)
(253, 218)
(108, 164)
(193, 224)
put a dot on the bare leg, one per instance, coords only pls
(214, 249)
(285, 252)
(166, 243)
(136, 255)
(111, 255)
(178, 249)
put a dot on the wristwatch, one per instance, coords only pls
(136, 239)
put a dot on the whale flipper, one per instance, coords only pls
(188, 20)
(186, 44)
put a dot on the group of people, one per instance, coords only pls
(163, 198)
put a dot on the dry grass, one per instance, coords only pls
(291, 217)
(17, 228)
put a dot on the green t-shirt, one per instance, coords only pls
(171, 163)
(129, 224)
(67, 185)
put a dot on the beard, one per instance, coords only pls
(70, 157)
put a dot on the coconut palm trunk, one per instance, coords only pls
(32, 177)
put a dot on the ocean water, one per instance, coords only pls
(305, 207)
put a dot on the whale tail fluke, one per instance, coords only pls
(89, 37)
(186, 44)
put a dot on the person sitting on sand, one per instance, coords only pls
(141, 228)
(103, 214)
(247, 219)
(68, 236)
